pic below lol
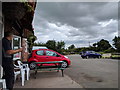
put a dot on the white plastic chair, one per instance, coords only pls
(2, 80)
(1, 71)
(21, 71)
(26, 67)
(3, 83)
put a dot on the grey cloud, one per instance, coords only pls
(78, 14)
(75, 22)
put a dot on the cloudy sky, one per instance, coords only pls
(76, 23)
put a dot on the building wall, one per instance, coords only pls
(18, 25)
(25, 52)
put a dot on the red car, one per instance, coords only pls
(47, 55)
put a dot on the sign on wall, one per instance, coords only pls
(16, 44)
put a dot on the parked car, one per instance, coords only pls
(46, 55)
(90, 54)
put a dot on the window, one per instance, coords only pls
(41, 52)
(16, 44)
(50, 53)
(92, 52)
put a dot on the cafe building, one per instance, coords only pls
(17, 17)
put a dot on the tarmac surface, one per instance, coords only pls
(83, 73)
(48, 79)
(93, 73)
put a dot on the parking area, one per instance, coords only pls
(93, 73)
(83, 73)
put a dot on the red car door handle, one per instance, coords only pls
(46, 57)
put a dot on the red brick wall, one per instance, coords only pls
(25, 51)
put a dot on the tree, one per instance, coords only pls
(60, 46)
(93, 47)
(116, 43)
(31, 40)
(51, 44)
(94, 44)
(71, 46)
(103, 45)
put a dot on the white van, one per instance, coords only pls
(39, 47)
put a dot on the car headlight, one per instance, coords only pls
(65, 56)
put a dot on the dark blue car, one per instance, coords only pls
(90, 54)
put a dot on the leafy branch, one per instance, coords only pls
(29, 7)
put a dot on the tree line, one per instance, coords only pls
(100, 46)
(53, 45)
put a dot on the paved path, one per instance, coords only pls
(48, 80)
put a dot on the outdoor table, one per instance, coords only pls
(50, 68)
